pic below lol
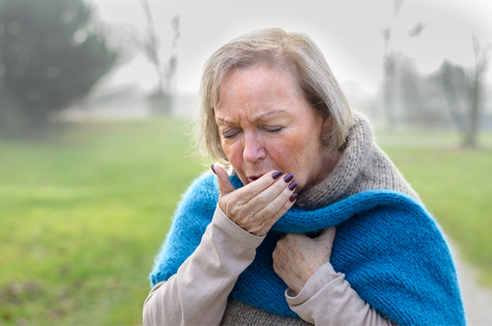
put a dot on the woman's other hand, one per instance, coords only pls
(259, 204)
(297, 256)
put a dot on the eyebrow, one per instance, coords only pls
(261, 116)
(258, 118)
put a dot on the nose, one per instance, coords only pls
(254, 149)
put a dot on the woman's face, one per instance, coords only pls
(266, 124)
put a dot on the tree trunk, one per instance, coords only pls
(389, 90)
(473, 112)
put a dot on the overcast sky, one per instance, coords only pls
(347, 31)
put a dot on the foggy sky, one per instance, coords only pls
(347, 31)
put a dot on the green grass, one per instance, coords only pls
(82, 219)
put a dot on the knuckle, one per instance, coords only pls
(242, 221)
(281, 242)
(289, 237)
(262, 200)
(228, 206)
(283, 186)
(277, 269)
(275, 256)
(250, 191)
(233, 208)
(271, 212)
(253, 191)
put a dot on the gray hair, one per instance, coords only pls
(295, 52)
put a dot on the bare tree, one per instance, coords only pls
(161, 99)
(390, 67)
(454, 83)
(390, 63)
(463, 91)
(476, 91)
(397, 4)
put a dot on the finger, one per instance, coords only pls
(225, 185)
(252, 189)
(243, 195)
(327, 235)
(293, 238)
(276, 194)
(272, 212)
(263, 221)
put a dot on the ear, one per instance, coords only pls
(327, 124)
(326, 127)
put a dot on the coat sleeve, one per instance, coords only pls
(197, 293)
(328, 299)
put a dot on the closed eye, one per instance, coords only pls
(273, 128)
(230, 133)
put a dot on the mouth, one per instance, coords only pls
(254, 178)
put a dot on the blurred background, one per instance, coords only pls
(95, 104)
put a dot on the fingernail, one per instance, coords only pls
(293, 185)
(288, 177)
(276, 174)
(293, 198)
(212, 167)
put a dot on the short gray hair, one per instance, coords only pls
(295, 52)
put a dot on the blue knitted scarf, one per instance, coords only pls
(390, 249)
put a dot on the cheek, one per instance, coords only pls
(234, 153)
(288, 155)
(300, 160)
(298, 157)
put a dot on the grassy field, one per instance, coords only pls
(81, 219)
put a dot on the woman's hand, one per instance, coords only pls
(297, 256)
(259, 204)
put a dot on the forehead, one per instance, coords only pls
(259, 92)
(279, 69)
(257, 82)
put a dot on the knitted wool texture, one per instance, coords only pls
(362, 167)
(390, 249)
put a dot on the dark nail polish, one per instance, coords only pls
(276, 174)
(293, 185)
(293, 198)
(288, 177)
(212, 167)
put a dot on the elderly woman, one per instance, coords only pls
(257, 245)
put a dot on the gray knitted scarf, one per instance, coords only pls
(363, 166)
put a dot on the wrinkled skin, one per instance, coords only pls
(297, 257)
(257, 206)
(266, 125)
